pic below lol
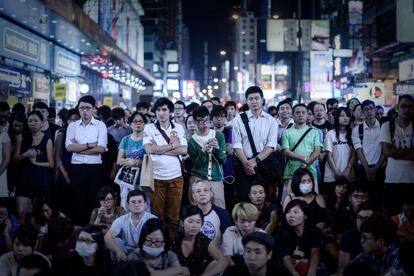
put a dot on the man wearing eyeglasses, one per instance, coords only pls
(87, 140)
(179, 113)
(370, 168)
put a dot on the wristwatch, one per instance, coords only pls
(258, 160)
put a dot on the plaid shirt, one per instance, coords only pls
(388, 262)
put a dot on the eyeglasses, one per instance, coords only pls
(85, 108)
(361, 197)
(107, 200)
(155, 242)
(137, 122)
(178, 108)
(203, 121)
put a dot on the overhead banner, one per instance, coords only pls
(374, 91)
(406, 70)
(22, 45)
(321, 75)
(15, 79)
(281, 35)
(66, 63)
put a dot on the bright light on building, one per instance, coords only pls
(223, 80)
(235, 16)
(209, 87)
(222, 53)
(215, 80)
(236, 68)
(216, 87)
(247, 52)
(275, 16)
(214, 68)
(204, 90)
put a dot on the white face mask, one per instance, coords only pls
(153, 251)
(86, 250)
(305, 188)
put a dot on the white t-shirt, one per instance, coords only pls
(165, 167)
(341, 152)
(398, 171)
(211, 226)
(371, 146)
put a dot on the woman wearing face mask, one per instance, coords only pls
(153, 250)
(339, 152)
(299, 242)
(91, 258)
(303, 188)
(194, 249)
(35, 151)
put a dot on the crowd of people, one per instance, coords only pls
(303, 189)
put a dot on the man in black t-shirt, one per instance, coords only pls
(319, 112)
(257, 256)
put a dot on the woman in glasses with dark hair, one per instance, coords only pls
(108, 210)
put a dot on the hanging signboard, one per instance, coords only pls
(15, 79)
(22, 45)
(66, 63)
(60, 91)
(41, 87)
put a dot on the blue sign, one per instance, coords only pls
(22, 45)
(66, 63)
(16, 79)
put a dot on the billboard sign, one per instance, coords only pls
(15, 79)
(406, 70)
(321, 75)
(189, 88)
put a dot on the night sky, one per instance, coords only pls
(208, 20)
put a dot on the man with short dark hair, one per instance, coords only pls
(397, 139)
(209, 104)
(105, 115)
(179, 113)
(143, 107)
(264, 132)
(379, 112)
(122, 238)
(257, 257)
(370, 168)
(331, 103)
(231, 108)
(302, 145)
(120, 128)
(87, 140)
(207, 152)
(215, 100)
(320, 121)
(166, 142)
(378, 242)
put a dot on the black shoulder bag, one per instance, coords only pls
(271, 168)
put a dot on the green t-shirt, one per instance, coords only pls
(289, 139)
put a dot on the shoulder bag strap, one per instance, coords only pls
(158, 126)
(361, 132)
(301, 138)
(249, 133)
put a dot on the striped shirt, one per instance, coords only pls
(264, 131)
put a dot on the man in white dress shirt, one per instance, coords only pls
(264, 131)
(87, 140)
